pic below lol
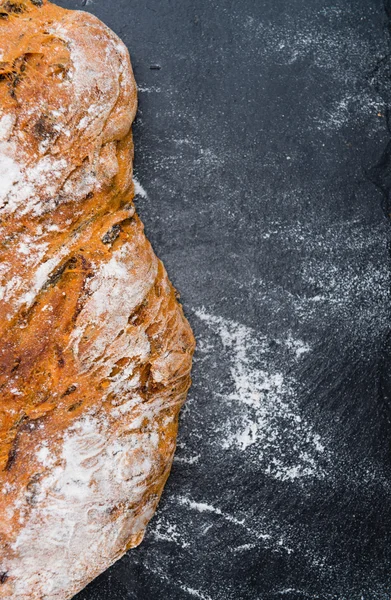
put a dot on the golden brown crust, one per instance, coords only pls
(95, 352)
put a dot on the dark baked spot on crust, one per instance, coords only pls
(43, 128)
(33, 489)
(58, 273)
(11, 456)
(16, 364)
(69, 391)
(60, 356)
(137, 315)
(14, 7)
(55, 278)
(111, 235)
(21, 425)
(75, 406)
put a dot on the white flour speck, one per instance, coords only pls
(195, 593)
(139, 190)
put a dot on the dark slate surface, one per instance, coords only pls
(264, 147)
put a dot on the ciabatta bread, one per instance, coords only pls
(95, 352)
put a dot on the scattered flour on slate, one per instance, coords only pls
(262, 413)
(326, 40)
(195, 593)
(165, 531)
(343, 267)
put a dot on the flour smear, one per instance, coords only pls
(263, 418)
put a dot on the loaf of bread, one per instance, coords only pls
(95, 353)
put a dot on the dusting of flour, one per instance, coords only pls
(263, 416)
(97, 473)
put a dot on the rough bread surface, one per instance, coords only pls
(95, 353)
